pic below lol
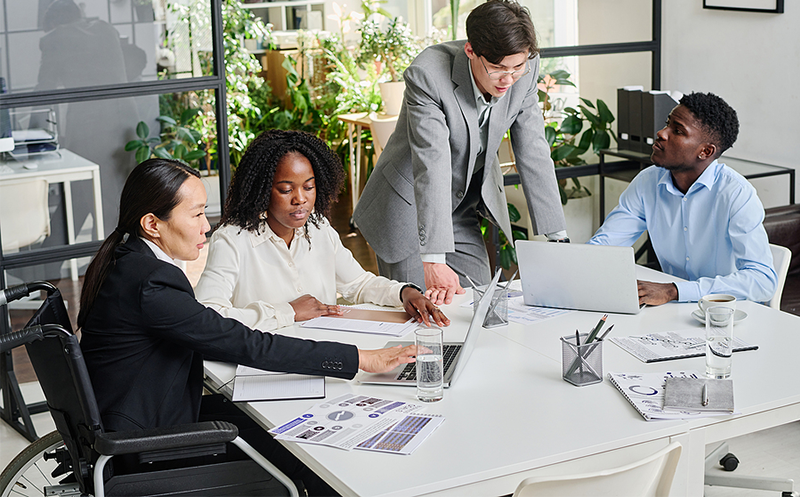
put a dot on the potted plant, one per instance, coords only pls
(392, 50)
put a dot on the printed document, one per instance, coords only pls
(366, 320)
(362, 422)
(669, 345)
(520, 313)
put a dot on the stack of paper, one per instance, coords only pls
(362, 422)
(251, 384)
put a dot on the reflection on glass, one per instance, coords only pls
(53, 44)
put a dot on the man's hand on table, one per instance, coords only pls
(383, 360)
(441, 283)
(651, 293)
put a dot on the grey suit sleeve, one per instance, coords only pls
(535, 167)
(428, 136)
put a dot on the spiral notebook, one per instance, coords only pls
(646, 391)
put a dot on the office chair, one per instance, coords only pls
(77, 459)
(781, 257)
(652, 476)
(26, 216)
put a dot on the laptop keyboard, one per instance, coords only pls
(409, 373)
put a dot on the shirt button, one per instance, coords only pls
(460, 194)
(299, 288)
(684, 199)
(685, 228)
(687, 258)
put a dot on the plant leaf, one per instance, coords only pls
(188, 115)
(562, 152)
(519, 235)
(185, 135)
(587, 102)
(572, 125)
(586, 140)
(550, 135)
(591, 117)
(601, 140)
(194, 155)
(167, 120)
(162, 153)
(605, 114)
(513, 213)
(142, 154)
(505, 257)
(142, 131)
(134, 144)
(179, 151)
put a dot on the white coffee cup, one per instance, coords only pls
(717, 300)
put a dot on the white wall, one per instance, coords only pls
(752, 60)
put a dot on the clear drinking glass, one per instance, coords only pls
(719, 341)
(429, 363)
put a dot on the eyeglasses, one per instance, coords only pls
(498, 75)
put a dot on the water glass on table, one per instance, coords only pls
(719, 341)
(429, 363)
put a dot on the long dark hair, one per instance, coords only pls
(152, 187)
(251, 187)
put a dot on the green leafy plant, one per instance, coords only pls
(573, 132)
(392, 49)
(508, 254)
(176, 140)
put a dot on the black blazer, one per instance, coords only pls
(146, 336)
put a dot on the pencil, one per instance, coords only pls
(606, 333)
(596, 329)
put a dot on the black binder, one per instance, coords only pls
(655, 110)
(635, 119)
(623, 121)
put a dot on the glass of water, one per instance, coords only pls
(719, 341)
(429, 363)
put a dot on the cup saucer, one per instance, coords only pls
(738, 316)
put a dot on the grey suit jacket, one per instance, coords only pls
(425, 168)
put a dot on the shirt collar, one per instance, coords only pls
(265, 233)
(707, 179)
(160, 254)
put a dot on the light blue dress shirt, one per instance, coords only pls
(712, 236)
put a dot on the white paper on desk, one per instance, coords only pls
(29, 135)
(344, 422)
(405, 436)
(251, 384)
(668, 345)
(394, 323)
(520, 313)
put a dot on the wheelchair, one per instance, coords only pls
(77, 458)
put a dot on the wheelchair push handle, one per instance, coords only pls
(17, 292)
(14, 339)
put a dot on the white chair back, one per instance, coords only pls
(781, 256)
(651, 476)
(25, 214)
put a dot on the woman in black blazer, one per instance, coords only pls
(144, 336)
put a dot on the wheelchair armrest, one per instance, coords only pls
(171, 437)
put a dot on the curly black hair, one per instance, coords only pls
(717, 118)
(249, 193)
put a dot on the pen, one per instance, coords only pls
(471, 282)
(606, 333)
(596, 329)
(577, 338)
(705, 394)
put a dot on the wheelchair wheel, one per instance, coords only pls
(30, 472)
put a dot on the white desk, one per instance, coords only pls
(64, 167)
(510, 415)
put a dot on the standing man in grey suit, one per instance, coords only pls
(419, 209)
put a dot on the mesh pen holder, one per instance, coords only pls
(582, 364)
(497, 315)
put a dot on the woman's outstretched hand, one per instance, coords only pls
(307, 307)
(383, 360)
(422, 309)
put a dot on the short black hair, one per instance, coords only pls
(717, 118)
(499, 28)
(251, 187)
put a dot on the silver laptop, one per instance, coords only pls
(578, 276)
(455, 355)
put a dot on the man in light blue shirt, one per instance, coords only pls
(703, 218)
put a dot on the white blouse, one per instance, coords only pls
(252, 277)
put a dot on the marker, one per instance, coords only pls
(577, 338)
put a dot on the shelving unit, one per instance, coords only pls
(291, 15)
